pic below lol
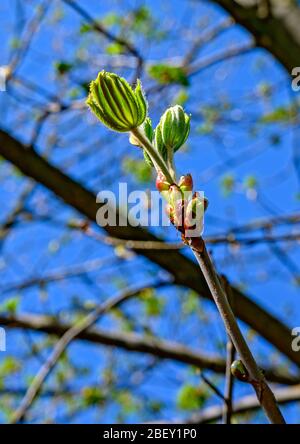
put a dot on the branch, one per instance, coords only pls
(27, 38)
(133, 342)
(110, 36)
(229, 382)
(230, 357)
(223, 56)
(276, 29)
(244, 405)
(63, 343)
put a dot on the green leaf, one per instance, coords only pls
(114, 49)
(181, 98)
(227, 184)
(191, 303)
(280, 115)
(15, 43)
(112, 19)
(84, 28)
(167, 74)
(153, 305)
(8, 366)
(140, 170)
(127, 401)
(147, 159)
(10, 305)
(92, 396)
(141, 16)
(62, 67)
(250, 182)
(190, 397)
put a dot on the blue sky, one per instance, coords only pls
(240, 146)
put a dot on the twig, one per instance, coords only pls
(212, 386)
(264, 394)
(229, 382)
(214, 59)
(245, 404)
(133, 342)
(62, 344)
(230, 356)
(207, 37)
(153, 153)
(110, 36)
(57, 275)
(27, 38)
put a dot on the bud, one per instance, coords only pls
(174, 195)
(175, 199)
(193, 220)
(239, 371)
(170, 213)
(186, 183)
(159, 143)
(179, 215)
(173, 128)
(161, 182)
(115, 103)
(195, 207)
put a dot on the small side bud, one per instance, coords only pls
(239, 371)
(175, 199)
(193, 221)
(170, 213)
(179, 215)
(174, 195)
(186, 183)
(161, 182)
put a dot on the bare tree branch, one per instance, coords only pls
(136, 343)
(285, 395)
(63, 343)
(275, 28)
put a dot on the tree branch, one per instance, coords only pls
(62, 344)
(135, 343)
(276, 29)
(246, 404)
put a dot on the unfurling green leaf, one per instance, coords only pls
(166, 74)
(191, 398)
(115, 103)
